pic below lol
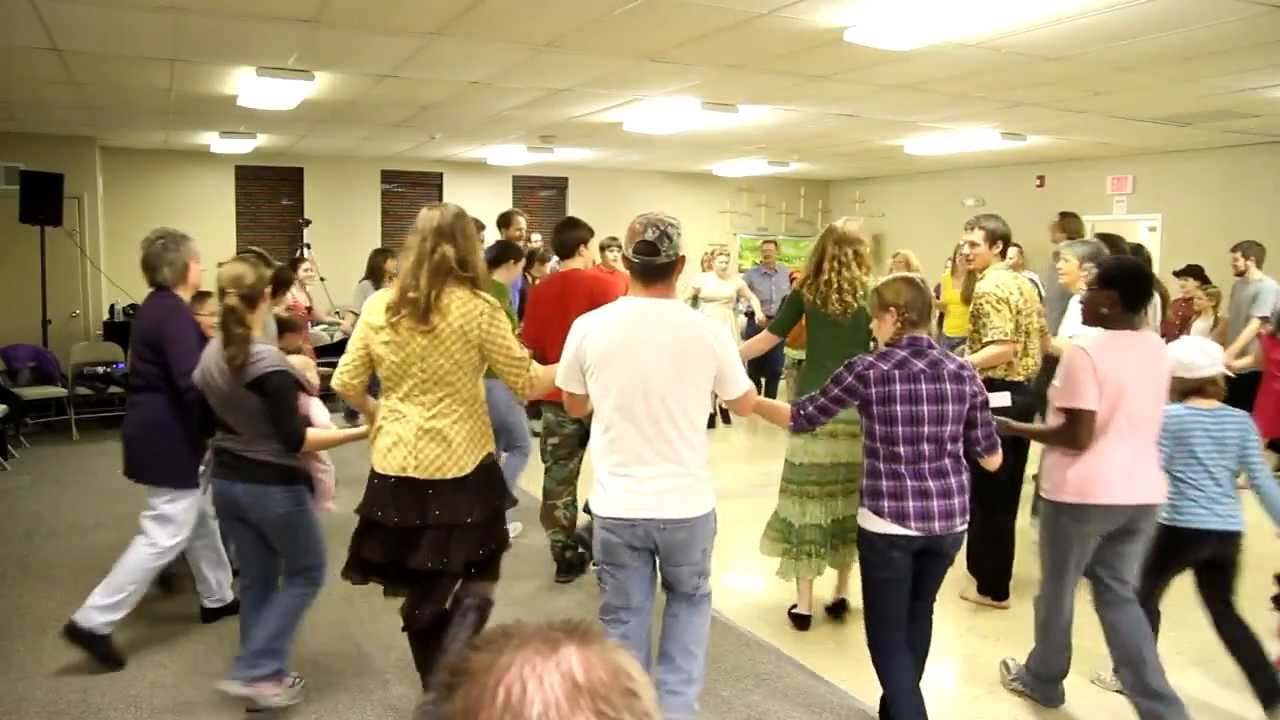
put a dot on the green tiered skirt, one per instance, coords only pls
(816, 523)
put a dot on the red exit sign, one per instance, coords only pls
(1119, 184)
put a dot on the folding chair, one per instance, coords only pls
(86, 356)
(51, 393)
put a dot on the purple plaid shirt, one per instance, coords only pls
(922, 410)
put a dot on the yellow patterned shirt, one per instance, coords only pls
(432, 419)
(1006, 307)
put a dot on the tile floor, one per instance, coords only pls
(968, 641)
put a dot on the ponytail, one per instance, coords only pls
(242, 287)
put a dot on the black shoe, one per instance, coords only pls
(208, 615)
(99, 647)
(725, 417)
(839, 609)
(571, 567)
(167, 580)
(799, 621)
(711, 421)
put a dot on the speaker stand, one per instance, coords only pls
(44, 293)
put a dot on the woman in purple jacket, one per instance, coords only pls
(162, 450)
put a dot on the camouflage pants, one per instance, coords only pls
(563, 444)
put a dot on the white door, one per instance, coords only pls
(1144, 229)
(20, 279)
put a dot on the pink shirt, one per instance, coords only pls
(1123, 377)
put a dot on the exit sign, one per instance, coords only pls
(1119, 184)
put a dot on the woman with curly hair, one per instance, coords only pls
(815, 525)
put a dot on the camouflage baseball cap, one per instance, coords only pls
(653, 239)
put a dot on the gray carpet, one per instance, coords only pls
(66, 514)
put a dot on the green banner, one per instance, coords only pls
(793, 251)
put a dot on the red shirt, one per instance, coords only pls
(1266, 406)
(554, 304)
(621, 279)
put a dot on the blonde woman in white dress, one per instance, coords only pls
(717, 293)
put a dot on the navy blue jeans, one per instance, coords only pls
(282, 565)
(765, 371)
(901, 575)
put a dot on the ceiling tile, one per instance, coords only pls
(22, 25)
(353, 51)
(133, 138)
(376, 113)
(211, 39)
(111, 31)
(205, 79)
(832, 58)
(1123, 24)
(412, 92)
(473, 104)
(1152, 53)
(278, 9)
(539, 22)
(757, 6)
(558, 69)
(1268, 125)
(411, 16)
(943, 61)
(645, 29)
(749, 42)
(746, 87)
(646, 77)
(19, 67)
(121, 71)
(454, 58)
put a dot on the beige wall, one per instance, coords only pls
(1209, 199)
(77, 159)
(195, 192)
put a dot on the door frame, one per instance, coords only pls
(1089, 221)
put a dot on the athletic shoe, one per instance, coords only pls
(1107, 681)
(514, 529)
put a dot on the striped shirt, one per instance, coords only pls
(923, 411)
(1203, 450)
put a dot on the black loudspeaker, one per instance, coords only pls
(40, 198)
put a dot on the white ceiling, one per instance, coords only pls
(436, 79)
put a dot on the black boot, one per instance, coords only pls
(425, 644)
(99, 646)
(725, 417)
(468, 614)
(711, 420)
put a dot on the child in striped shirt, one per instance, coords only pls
(1204, 446)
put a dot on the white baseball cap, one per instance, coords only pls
(1195, 357)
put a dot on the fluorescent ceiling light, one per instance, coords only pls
(904, 25)
(234, 143)
(670, 115)
(963, 141)
(275, 88)
(516, 155)
(744, 167)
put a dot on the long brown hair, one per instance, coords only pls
(442, 249)
(838, 270)
(242, 288)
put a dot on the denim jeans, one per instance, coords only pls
(282, 566)
(901, 575)
(510, 432)
(1107, 545)
(632, 554)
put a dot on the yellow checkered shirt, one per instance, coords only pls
(432, 419)
(1006, 307)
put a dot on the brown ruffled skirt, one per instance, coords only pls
(419, 538)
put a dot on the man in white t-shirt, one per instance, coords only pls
(646, 365)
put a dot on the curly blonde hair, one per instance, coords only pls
(442, 249)
(839, 269)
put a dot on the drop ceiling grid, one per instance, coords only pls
(396, 73)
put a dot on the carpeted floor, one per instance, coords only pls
(66, 514)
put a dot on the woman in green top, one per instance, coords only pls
(815, 525)
(510, 425)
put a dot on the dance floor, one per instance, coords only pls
(968, 641)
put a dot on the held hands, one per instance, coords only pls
(1005, 426)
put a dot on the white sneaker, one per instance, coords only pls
(1107, 681)
(514, 529)
(269, 696)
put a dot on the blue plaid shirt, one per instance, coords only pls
(769, 285)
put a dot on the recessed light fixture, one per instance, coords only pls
(671, 115)
(904, 25)
(233, 143)
(963, 141)
(516, 155)
(275, 88)
(745, 167)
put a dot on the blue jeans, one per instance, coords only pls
(901, 575)
(510, 432)
(282, 566)
(631, 555)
